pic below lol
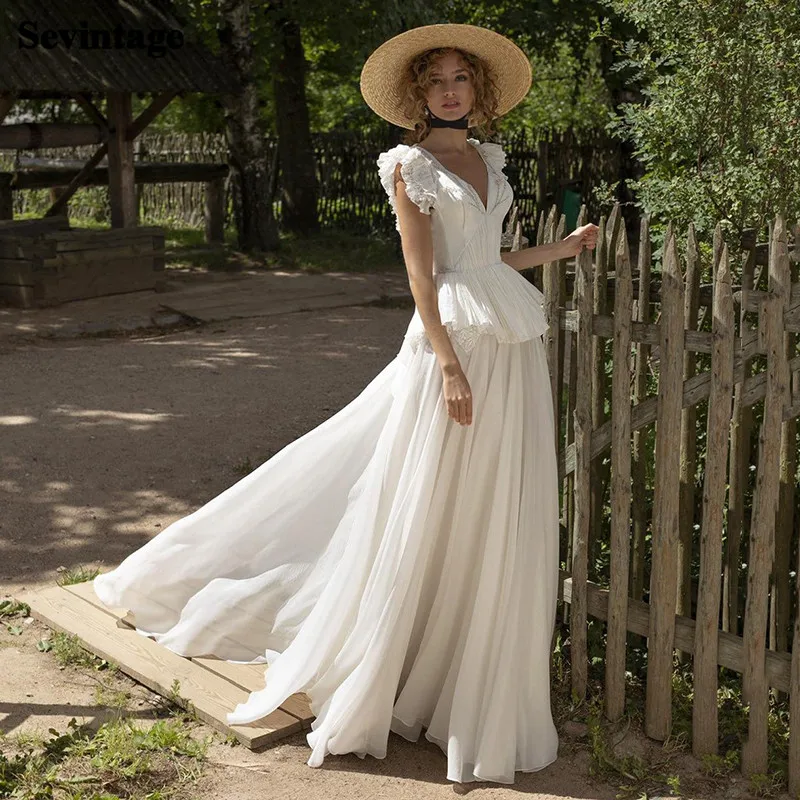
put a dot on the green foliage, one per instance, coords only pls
(13, 608)
(122, 759)
(719, 133)
(568, 92)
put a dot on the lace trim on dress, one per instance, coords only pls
(417, 174)
(465, 338)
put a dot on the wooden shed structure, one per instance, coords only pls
(107, 49)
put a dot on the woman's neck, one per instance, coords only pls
(446, 140)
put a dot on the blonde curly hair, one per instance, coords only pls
(418, 79)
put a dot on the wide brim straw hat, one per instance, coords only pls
(384, 72)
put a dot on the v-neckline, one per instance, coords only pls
(484, 208)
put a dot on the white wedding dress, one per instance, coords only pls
(399, 568)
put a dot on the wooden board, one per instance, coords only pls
(213, 687)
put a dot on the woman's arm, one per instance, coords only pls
(417, 242)
(569, 246)
(535, 256)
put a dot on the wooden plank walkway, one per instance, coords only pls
(214, 687)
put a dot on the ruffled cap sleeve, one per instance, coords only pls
(417, 174)
(493, 153)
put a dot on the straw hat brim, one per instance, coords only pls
(384, 71)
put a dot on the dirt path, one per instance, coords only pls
(106, 441)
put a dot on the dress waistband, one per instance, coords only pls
(469, 267)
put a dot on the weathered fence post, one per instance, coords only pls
(639, 453)
(620, 483)
(553, 302)
(741, 426)
(688, 441)
(780, 606)
(663, 580)
(606, 241)
(583, 441)
(706, 633)
(755, 689)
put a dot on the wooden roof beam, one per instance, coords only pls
(159, 103)
(91, 109)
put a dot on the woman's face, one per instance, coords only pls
(451, 93)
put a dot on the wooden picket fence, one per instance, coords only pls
(746, 336)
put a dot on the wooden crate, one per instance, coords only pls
(213, 687)
(45, 265)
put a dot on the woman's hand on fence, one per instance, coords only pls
(585, 236)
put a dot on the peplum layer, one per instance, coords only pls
(491, 300)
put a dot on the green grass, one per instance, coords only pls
(73, 575)
(122, 759)
(69, 652)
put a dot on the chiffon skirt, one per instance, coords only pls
(397, 567)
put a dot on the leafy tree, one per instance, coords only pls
(719, 132)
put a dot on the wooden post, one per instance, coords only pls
(121, 183)
(663, 577)
(639, 465)
(781, 600)
(552, 308)
(541, 176)
(537, 276)
(6, 196)
(606, 248)
(741, 426)
(620, 482)
(571, 372)
(709, 589)
(755, 691)
(583, 439)
(215, 211)
(688, 442)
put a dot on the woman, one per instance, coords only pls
(399, 562)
